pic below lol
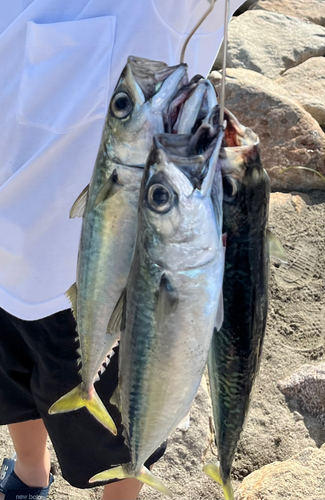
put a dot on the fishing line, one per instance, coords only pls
(224, 62)
(198, 24)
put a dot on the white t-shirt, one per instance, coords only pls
(59, 63)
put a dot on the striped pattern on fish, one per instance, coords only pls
(171, 298)
(235, 352)
(109, 210)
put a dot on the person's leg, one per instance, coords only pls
(33, 458)
(128, 489)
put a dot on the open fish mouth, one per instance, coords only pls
(189, 108)
(177, 105)
(191, 152)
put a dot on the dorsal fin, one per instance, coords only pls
(78, 208)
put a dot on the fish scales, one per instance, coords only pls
(171, 297)
(112, 227)
(109, 210)
(156, 357)
(235, 352)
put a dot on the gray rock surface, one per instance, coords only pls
(267, 42)
(308, 10)
(289, 135)
(306, 84)
(300, 478)
(307, 387)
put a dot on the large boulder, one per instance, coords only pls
(308, 10)
(289, 136)
(267, 42)
(306, 84)
(299, 478)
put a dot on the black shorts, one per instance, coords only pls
(38, 364)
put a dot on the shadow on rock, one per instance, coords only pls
(315, 429)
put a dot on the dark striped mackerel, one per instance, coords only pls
(235, 352)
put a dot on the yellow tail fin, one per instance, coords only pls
(120, 472)
(213, 471)
(73, 401)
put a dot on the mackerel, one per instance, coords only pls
(171, 298)
(236, 347)
(109, 209)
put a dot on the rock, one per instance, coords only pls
(267, 42)
(289, 136)
(298, 201)
(306, 84)
(307, 387)
(308, 10)
(299, 478)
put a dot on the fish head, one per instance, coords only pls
(176, 216)
(246, 185)
(135, 113)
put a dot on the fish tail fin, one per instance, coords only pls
(121, 472)
(73, 400)
(213, 471)
(147, 477)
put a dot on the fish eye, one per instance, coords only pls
(121, 105)
(159, 198)
(230, 187)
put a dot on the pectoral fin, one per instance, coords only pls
(108, 190)
(167, 300)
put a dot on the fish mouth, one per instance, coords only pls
(190, 107)
(236, 134)
(189, 142)
(240, 146)
(150, 75)
(190, 153)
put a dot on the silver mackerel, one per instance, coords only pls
(109, 209)
(171, 297)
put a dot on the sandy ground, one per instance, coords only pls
(276, 429)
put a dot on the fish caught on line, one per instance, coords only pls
(109, 210)
(235, 352)
(170, 302)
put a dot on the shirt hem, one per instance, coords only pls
(32, 312)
